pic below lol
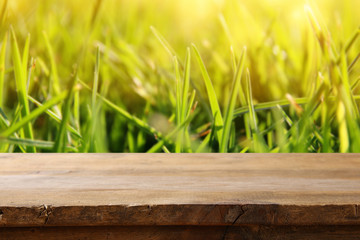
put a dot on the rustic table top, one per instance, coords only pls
(179, 189)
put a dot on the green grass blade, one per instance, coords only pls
(47, 145)
(130, 138)
(352, 64)
(230, 109)
(163, 42)
(31, 67)
(61, 141)
(355, 84)
(233, 59)
(270, 132)
(19, 72)
(3, 12)
(285, 116)
(25, 56)
(16, 118)
(34, 114)
(343, 131)
(27, 142)
(186, 84)
(165, 149)
(226, 29)
(214, 105)
(268, 105)
(94, 105)
(252, 116)
(302, 129)
(3, 118)
(178, 91)
(244, 150)
(20, 78)
(179, 103)
(95, 12)
(204, 144)
(54, 71)
(352, 40)
(138, 122)
(96, 80)
(283, 103)
(170, 135)
(326, 127)
(183, 104)
(253, 122)
(4, 123)
(347, 94)
(232, 138)
(2, 68)
(281, 137)
(259, 143)
(76, 111)
(318, 31)
(56, 117)
(191, 106)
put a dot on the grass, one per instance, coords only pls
(165, 76)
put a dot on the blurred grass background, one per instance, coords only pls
(172, 76)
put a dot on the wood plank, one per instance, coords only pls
(179, 189)
(112, 233)
(251, 232)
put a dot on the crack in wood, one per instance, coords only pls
(242, 212)
(356, 211)
(45, 211)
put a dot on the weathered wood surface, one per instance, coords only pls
(226, 190)
(184, 232)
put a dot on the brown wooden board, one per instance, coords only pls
(184, 232)
(215, 191)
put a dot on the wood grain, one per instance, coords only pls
(227, 190)
(183, 232)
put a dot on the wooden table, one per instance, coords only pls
(179, 196)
